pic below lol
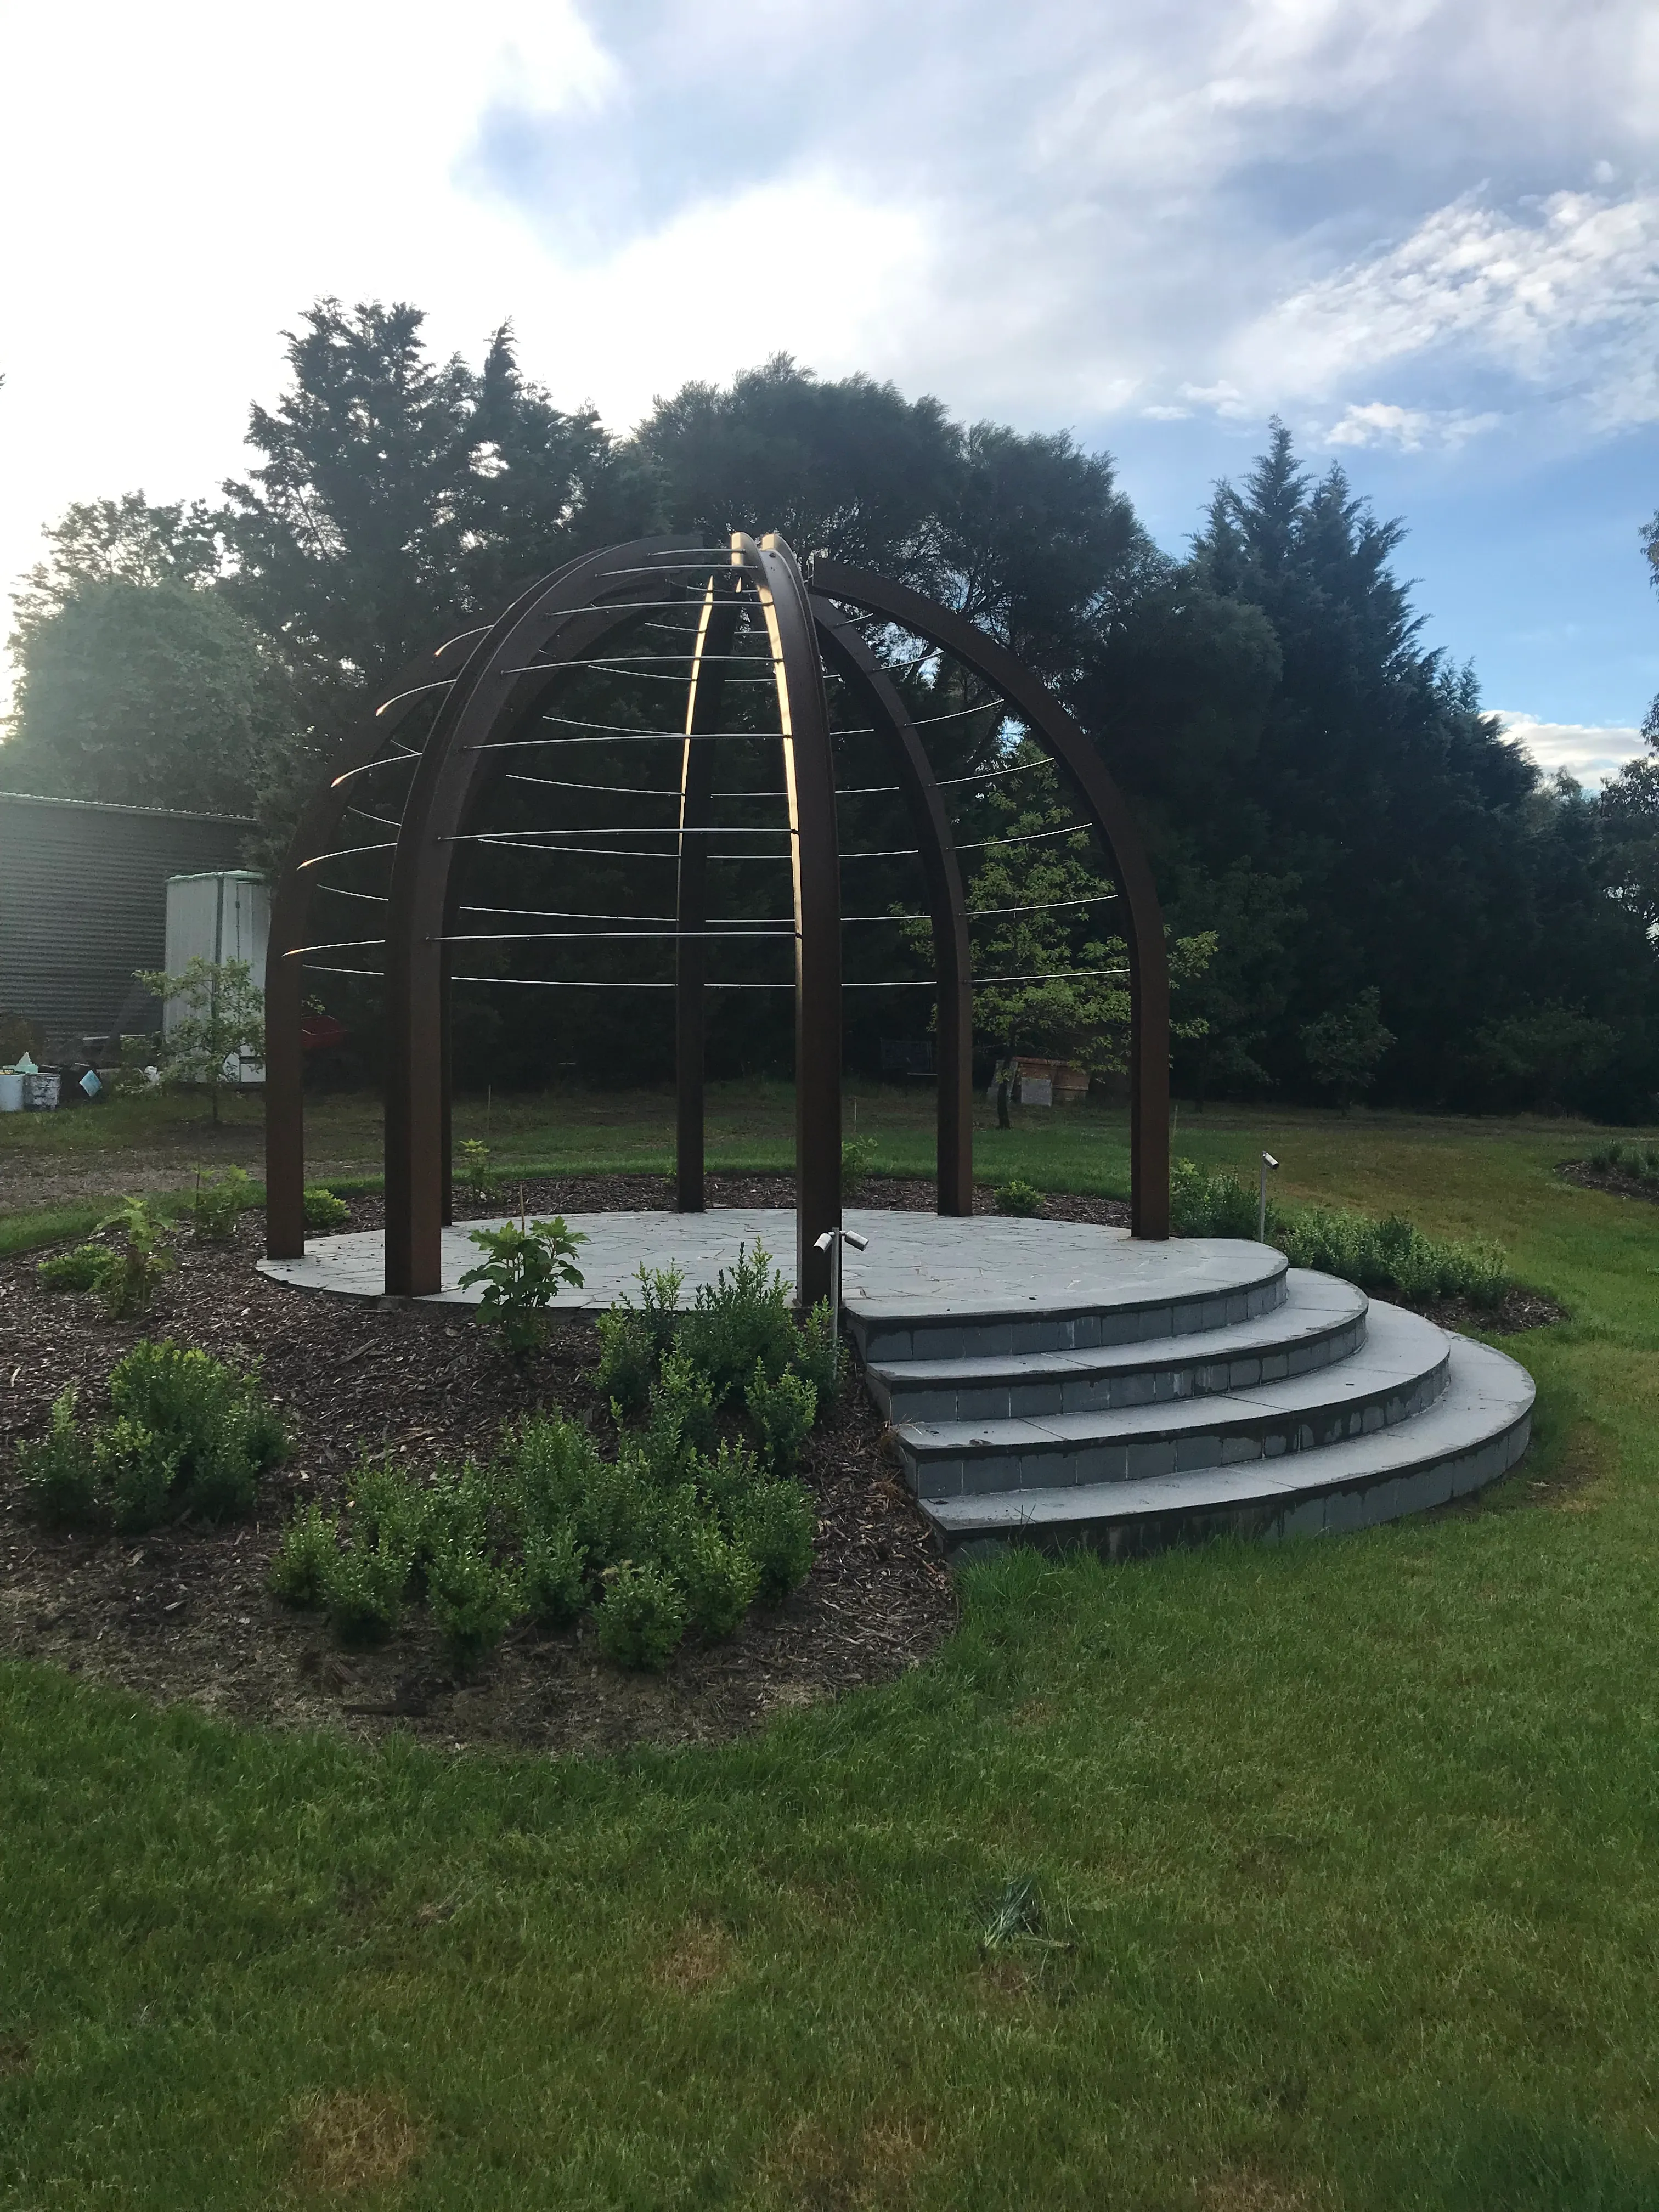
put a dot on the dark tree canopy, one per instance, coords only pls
(1322, 794)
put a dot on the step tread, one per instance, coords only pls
(1400, 1348)
(1042, 1267)
(1488, 1396)
(1315, 1304)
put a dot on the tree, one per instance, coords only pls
(397, 495)
(137, 682)
(221, 1023)
(1045, 906)
(1345, 1045)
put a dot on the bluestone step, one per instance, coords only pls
(1475, 1432)
(1398, 1371)
(1321, 1321)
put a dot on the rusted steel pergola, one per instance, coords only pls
(492, 685)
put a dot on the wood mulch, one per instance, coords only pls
(1611, 1180)
(183, 1613)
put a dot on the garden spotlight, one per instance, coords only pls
(831, 1241)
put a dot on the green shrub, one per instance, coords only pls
(1210, 1205)
(782, 1413)
(1639, 1162)
(127, 1280)
(323, 1210)
(82, 1269)
(641, 1616)
(521, 1273)
(136, 1471)
(628, 1358)
(221, 1432)
(775, 1524)
(856, 1155)
(680, 1420)
(614, 1517)
(219, 1202)
(186, 1434)
(363, 1590)
(1393, 1255)
(300, 1571)
(58, 1472)
(555, 1576)
(474, 1599)
(739, 1319)
(547, 1464)
(477, 1177)
(1016, 1196)
(819, 1356)
(718, 1578)
(658, 1308)
(386, 1506)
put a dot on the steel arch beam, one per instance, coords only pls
(1149, 969)
(290, 918)
(953, 965)
(716, 629)
(494, 686)
(809, 782)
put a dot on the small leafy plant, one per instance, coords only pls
(219, 1201)
(1016, 1196)
(185, 1434)
(477, 1177)
(127, 1281)
(856, 1155)
(783, 1411)
(641, 1617)
(522, 1272)
(323, 1210)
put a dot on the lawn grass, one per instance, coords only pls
(1352, 1849)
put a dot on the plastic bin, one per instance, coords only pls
(40, 1090)
(11, 1091)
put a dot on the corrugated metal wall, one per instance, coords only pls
(83, 902)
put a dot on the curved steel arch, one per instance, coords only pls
(1149, 967)
(952, 958)
(505, 678)
(290, 914)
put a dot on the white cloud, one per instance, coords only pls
(1378, 422)
(1586, 752)
(1562, 297)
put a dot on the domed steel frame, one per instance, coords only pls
(496, 680)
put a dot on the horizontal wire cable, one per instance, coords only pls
(613, 661)
(400, 759)
(340, 892)
(633, 829)
(629, 936)
(564, 914)
(337, 944)
(384, 821)
(438, 683)
(979, 913)
(345, 853)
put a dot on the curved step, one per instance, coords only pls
(1006, 1287)
(1475, 1432)
(1322, 1321)
(1400, 1369)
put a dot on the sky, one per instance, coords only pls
(1424, 235)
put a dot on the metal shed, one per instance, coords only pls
(83, 904)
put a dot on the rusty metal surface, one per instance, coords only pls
(809, 782)
(716, 629)
(953, 964)
(1149, 1044)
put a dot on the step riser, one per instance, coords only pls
(971, 1400)
(1086, 1329)
(1247, 1434)
(1337, 1509)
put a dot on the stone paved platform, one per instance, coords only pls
(917, 1266)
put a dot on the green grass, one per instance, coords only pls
(1358, 1843)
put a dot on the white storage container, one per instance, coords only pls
(220, 917)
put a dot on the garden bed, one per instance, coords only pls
(183, 1613)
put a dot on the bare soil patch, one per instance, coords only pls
(183, 1613)
(1616, 1183)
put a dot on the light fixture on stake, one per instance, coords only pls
(831, 1241)
(1267, 1161)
